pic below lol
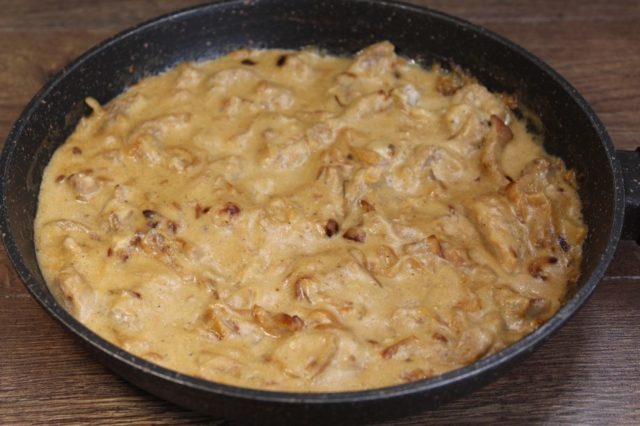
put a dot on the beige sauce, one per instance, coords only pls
(295, 221)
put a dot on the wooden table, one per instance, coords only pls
(588, 373)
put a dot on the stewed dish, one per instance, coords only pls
(290, 220)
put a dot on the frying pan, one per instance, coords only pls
(570, 128)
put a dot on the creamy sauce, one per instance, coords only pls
(295, 221)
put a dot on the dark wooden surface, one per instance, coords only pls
(588, 373)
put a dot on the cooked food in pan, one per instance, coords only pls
(290, 220)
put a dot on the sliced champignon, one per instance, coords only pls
(434, 245)
(306, 355)
(189, 77)
(83, 184)
(384, 261)
(540, 220)
(448, 84)
(128, 311)
(355, 234)
(537, 267)
(213, 323)
(229, 364)
(473, 344)
(498, 228)
(400, 349)
(226, 78)
(539, 309)
(323, 319)
(75, 293)
(366, 206)
(274, 97)
(416, 374)
(278, 324)
(288, 156)
(374, 60)
(223, 323)
(367, 156)
(499, 135)
(368, 105)
(71, 245)
(483, 102)
(360, 266)
(303, 288)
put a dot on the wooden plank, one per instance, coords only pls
(106, 14)
(533, 11)
(626, 263)
(52, 15)
(28, 60)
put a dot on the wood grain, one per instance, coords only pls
(588, 373)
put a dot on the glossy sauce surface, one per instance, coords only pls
(295, 221)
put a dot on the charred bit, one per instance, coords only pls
(231, 208)
(331, 228)
(172, 226)
(366, 206)
(149, 213)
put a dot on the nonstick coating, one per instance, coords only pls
(571, 130)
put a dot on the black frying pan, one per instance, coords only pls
(571, 130)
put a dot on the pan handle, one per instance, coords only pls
(630, 162)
